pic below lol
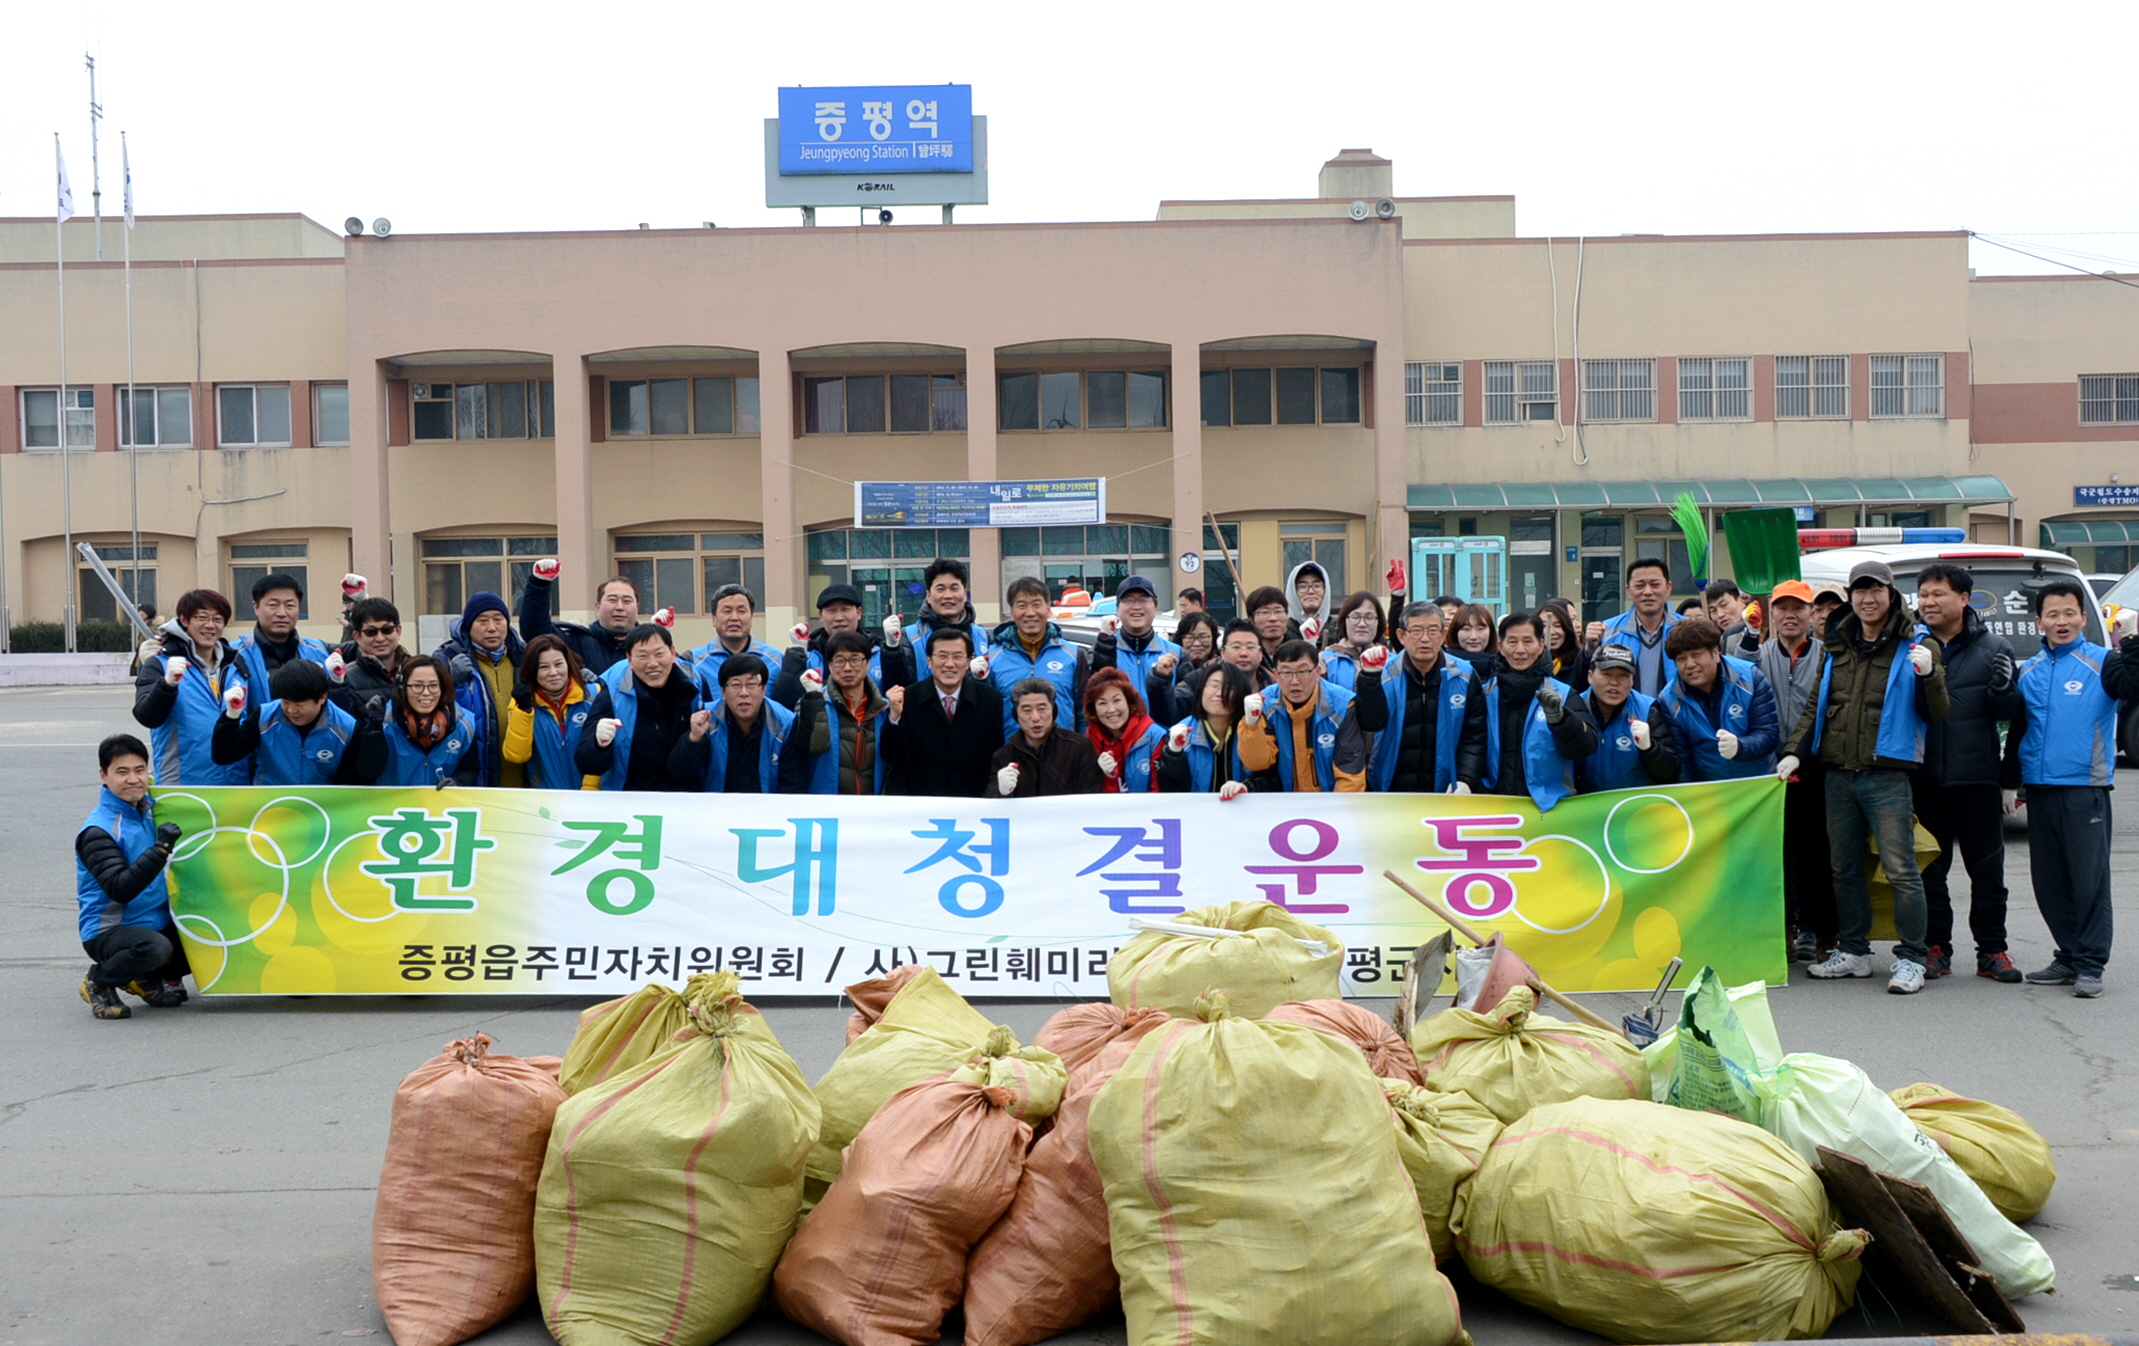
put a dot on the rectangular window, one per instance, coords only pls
(1619, 390)
(40, 418)
(472, 406)
(1521, 390)
(1295, 396)
(910, 405)
(515, 409)
(1019, 401)
(1251, 397)
(97, 603)
(162, 418)
(506, 409)
(1217, 397)
(1715, 390)
(1811, 387)
(1340, 397)
(253, 415)
(950, 402)
(1110, 400)
(865, 405)
(330, 413)
(713, 404)
(1060, 406)
(824, 406)
(2109, 399)
(669, 405)
(1908, 386)
(685, 570)
(1147, 400)
(722, 406)
(1433, 393)
(456, 567)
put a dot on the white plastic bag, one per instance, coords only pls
(1471, 967)
(1813, 1100)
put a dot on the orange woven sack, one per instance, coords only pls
(1047, 1265)
(870, 997)
(882, 1258)
(452, 1233)
(1387, 1053)
(1078, 1033)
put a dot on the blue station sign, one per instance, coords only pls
(878, 128)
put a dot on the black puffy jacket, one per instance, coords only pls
(1963, 748)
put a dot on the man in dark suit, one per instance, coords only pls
(942, 734)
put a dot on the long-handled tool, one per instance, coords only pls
(1645, 1027)
(1422, 982)
(1461, 927)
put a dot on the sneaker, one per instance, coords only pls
(1997, 967)
(2087, 986)
(1842, 963)
(2057, 974)
(161, 994)
(1907, 979)
(1807, 947)
(104, 1001)
(1939, 963)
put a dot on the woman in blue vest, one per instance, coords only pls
(1535, 728)
(1202, 753)
(548, 714)
(429, 739)
(1122, 733)
(178, 694)
(299, 738)
(1360, 626)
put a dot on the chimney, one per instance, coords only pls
(1356, 175)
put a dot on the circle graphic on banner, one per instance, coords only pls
(1190, 563)
(1650, 833)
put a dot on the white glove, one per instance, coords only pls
(353, 587)
(1374, 659)
(1311, 630)
(1232, 789)
(1109, 626)
(1640, 730)
(1920, 660)
(1006, 780)
(336, 666)
(1108, 765)
(1727, 744)
(812, 681)
(2127, 624)
(1786, 768)
(1177, 737)
(2011, 800)
(174, 668)
(665, 618)
(893, 629)
(1459, 788)
(1253, 707)
(547, 568)
(798, 634)
(979, 668)
(234, 700)
(605, 732)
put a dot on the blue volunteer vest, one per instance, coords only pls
(1327, 713)
(705, 662)
(1616, 765)
(252, 664)
(1699, 758)
(1457, 683)
(292, 756)
(1138, 666)
(406, 764)
(1055, 664)
(550, 763)
(181, 742)
(1549, 776)
(778, 719)
(1340, 668)
(2071, 734)
(624, 703)
(1901, 729)
(135, 831)
(1202, 757)
(824, 771)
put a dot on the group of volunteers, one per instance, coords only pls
(1874, 715)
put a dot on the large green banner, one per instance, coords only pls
(376, 891)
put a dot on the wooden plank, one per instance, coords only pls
(1867, 1204)
(1951, 1247)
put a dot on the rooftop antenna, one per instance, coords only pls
(96, 191)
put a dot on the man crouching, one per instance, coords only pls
(119, 856)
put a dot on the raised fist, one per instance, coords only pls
(1109, 625)
(1459, 788)
(1253, 707)
(1396, 576)
(523, 696)
(336, 666)
(812, 682)
(1231, 790)
(1727, 744)
(665, 618)
(1552, 703)
(895, 697)
(1920, 660)
(1374, 658)
(701, 724)
(234, 700)
(174, 668)
(167, 835)
(1109, 764)
(547, 568)
(605, 732)
(893, 628)
(1177, 738)
(979, 668)
(1311, 630)
(798, 634)
(2127, 623)
(1165, 664)
(1593, 633)
(1640, 731)
(2001, 672)
(353, 587)
(1006, 780)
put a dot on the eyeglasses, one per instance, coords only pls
(377, 630)
(850, 665)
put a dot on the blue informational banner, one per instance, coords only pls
(2105, 495)
(979, 504)
(887, 128)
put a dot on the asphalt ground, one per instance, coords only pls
(206, 1175)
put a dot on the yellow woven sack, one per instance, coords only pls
(1442, 1139)
(1515, 1059)
(1255, 1196)
(669, 1192)
(1260, 967)
(2008, 1158)
(617, 1035)
(1647, 1223)
(928, 1029)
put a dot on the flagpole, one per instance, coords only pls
(66, 465)
(132, 420)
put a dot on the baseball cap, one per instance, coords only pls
(1829, 589)
(1135, 584)
(1610, 657)
(1796, 589)
(838, 593)
(1872, 572)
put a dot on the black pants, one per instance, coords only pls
(127, 953)
(1808, 871)
(1971, 819)
(2068, 859)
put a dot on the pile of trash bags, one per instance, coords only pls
(1228, 1151)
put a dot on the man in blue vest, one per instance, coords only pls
(277, 601)
(734, 608)
(1866, 722)
(1427, 718)
(1127, 640)
(1636, 746)
(1029, 645)
(839, 610)
(2062, 747)
(1722, 708)
(641, 712)
(1642, 627)
(1309, 732)
(125, 910)
(734, 745)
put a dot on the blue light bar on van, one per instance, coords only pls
(1819, 539)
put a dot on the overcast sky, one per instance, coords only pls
(1600, 119)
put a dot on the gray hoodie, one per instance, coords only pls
(1330, 597)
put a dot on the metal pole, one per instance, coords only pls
(66, 466)
(96, 186)
(132, 420)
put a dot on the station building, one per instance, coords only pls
(1261, 382)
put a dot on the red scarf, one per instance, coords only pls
(554, 704)
(425, 731)
(1132, 733)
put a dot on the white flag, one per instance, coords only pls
(126, 168)
(66, 193)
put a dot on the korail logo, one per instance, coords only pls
(1736, 712)
(1327, 740)
(2075, 687)
(1456, 700)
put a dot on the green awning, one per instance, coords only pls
(1726, 492)
(2088, 532)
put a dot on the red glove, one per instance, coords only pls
(234, 700)
(1311, 629)
(665, 618)
(1109, 625)
(1177, 737)
(353, 587)
(1374, 659)
(799, 633)
(1396, 577)
(812, 681)
(547, 568)
(337, 667)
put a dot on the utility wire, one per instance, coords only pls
(2052, 260)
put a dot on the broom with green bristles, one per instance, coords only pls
(1687, 511)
